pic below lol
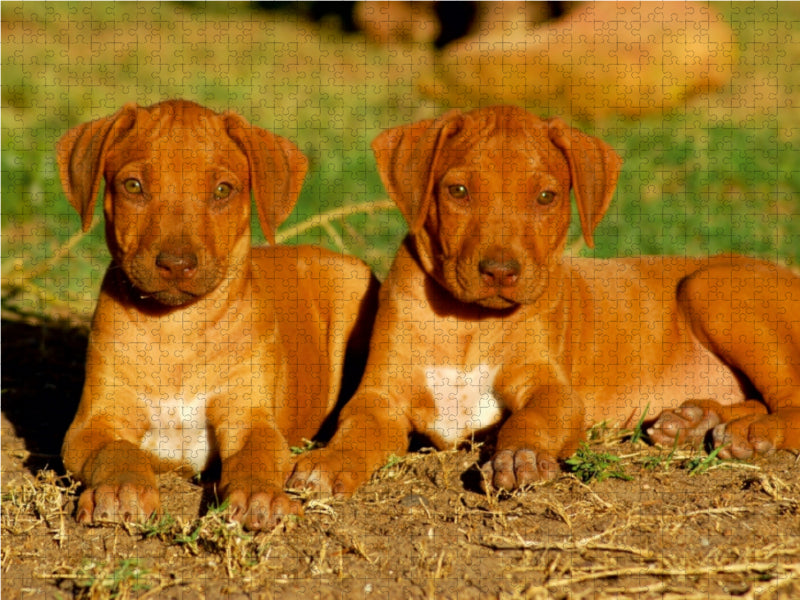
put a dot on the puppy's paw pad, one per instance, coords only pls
(745, 437)
(325, 476)
(117, 504)
(261, 510)
(512, 469)
(688, 424)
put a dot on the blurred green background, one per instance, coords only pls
(720, 174)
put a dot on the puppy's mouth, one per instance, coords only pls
(525, 291)
(149, 286)
(170, 296)
(464, 281)
(496, 297)
(498, 301)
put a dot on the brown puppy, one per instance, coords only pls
(481, 316)
(201, 345)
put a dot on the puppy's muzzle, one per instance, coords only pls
(174, 274)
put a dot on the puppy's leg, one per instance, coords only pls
(746, 313)
(253, 472)
(532, 440)
(370, 431)
(119, 476)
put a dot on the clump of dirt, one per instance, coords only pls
(640, 522)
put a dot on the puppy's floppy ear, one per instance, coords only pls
(81, 154)
(277, 171)
(407, 157)
(593, 167)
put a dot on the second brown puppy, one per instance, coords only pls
(483, 319)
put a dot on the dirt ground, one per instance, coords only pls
(647, 523)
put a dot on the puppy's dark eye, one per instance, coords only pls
(222, 191)
(132, 186)
(545, 198)
(458, 191)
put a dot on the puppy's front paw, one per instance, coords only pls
(117, 503)
(328, 473)
(512, 469)
(688, 424)
(262, 509)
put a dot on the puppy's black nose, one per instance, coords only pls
(176, 266)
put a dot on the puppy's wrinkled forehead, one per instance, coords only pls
(177, 131)
(510, 141)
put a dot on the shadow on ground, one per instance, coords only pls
(42, 377)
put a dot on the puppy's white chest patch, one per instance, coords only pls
(179, 431)
(464, 400)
